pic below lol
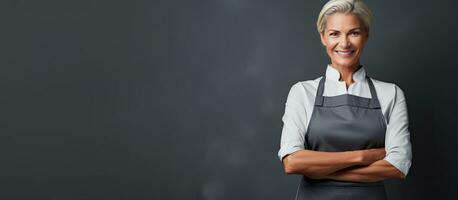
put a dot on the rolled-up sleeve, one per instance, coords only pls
(397, 141)
(294, 119)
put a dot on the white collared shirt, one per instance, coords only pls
(300, 102)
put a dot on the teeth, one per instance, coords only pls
(344, 52)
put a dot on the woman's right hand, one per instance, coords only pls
(369, 156)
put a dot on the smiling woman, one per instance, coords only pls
(344, 39)
(344, 28)
(345, 132)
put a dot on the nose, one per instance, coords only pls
(344, 42)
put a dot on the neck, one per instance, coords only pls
(346, 72)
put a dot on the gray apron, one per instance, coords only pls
(343, 123)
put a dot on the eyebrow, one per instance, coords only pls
(350, 29)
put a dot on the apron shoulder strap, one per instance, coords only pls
(319, 93)
(374, 102)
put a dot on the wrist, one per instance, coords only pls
(365, 157)
(356, 157)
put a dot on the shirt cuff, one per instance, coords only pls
(288, 149)
(403, 166)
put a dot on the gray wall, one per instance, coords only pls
(184, 99)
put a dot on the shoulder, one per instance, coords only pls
(302, 90)
(306, 86)
(387, 88)
(389, 94)
(382, 85)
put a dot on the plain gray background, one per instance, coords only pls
(184, 99)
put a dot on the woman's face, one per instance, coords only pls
(344, 38)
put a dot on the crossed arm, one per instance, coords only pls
(359, 165)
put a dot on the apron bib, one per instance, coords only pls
(343, 123)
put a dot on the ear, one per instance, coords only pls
(367, 37)
(323, 41)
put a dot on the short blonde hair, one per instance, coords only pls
(356, 7)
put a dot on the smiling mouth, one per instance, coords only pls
(346, 53)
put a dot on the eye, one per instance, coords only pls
(333, 34)
(356, 33)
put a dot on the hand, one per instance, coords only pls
(371, 155)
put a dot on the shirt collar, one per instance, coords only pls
(333, 74)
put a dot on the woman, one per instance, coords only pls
(345, 129)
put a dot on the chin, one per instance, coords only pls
(346, 63)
